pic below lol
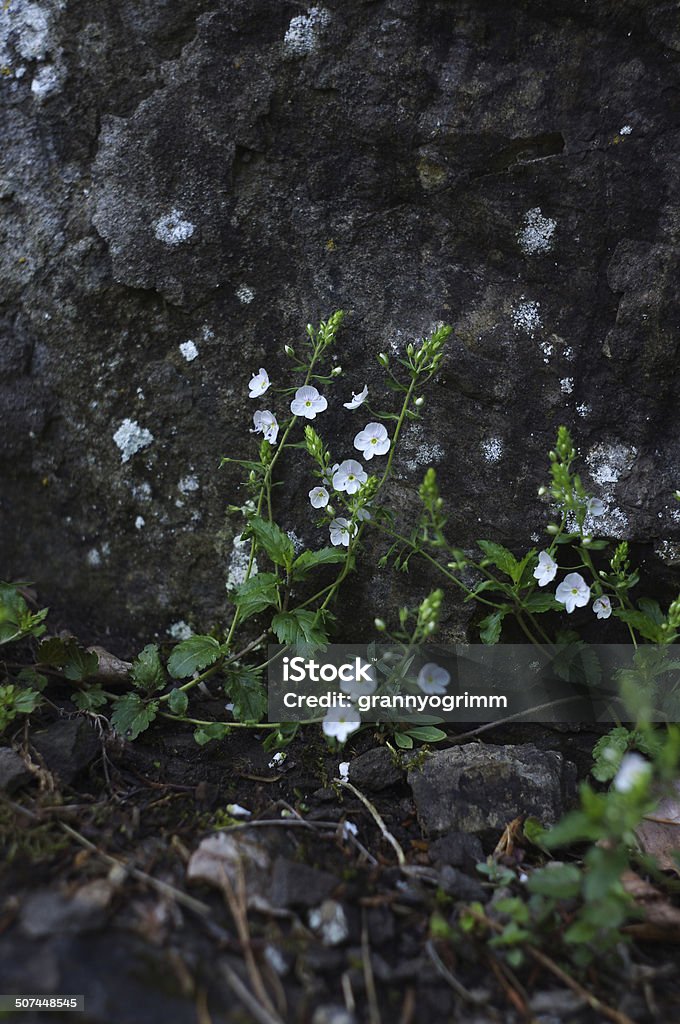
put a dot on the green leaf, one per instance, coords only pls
(541, 602)
(36, 680)
(403, 740)
(147, 671)
(500, 557)
(298, 626)
(560, 881)
(90, 699)
(193, 655)
(273, 540)
(132, 716)
(26, 701)
(490, 627)
(67, 655)
(248, 695)
(427, 734)
(280, 738)
(311, 559)
(608, 753)
(178, 702)
(214, 731)
(645, 626)
(652, 609)
(256, 594)
(534, 831)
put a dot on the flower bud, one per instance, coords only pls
(380, 625)
(419, 402)
(542, 490)
(553, 529)
(336, 371)
(289, 350)
(410, 349)
(383, 359)
(676, 495)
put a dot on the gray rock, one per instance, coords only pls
(459, 885)
(375, 770)
(222, 174)
(479, 788)
(13, 771)
(50, 912)
(298, 885)
(67, 746)
(458, 849)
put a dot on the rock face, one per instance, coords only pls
(184, 185)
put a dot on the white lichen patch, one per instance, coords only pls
(238, 563)
(173, 229)
(668, 551)
(567, 385)
(94, 558)
(304, 32)
(188, 484)
(131, 438)
(188, 350)
(180, 630)
(607, 462)
(420, 450)
(526, 316)
(548, 350)
(47, 81)
(141, 492)
(583, 409)
(612, 523)
(298, 543)
(139, 523)
(492, 449)
(245, 294)
(537, 234)
(626, 130)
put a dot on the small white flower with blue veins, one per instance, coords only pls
(342, 531)
(259, 383)
(358, 398)
(264, 422)
(359, 685)
(546, 570)
(595, 507)
(340, 723)
(573, 592)
(308, 402)
(602, 607)
(432, 678)
(318, 497)
(349, 476)
(372, 440)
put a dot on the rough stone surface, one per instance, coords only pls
(375, 770)
(184, 185)
(13, 771)
(67, 746)
(299, 885)
(480, 788)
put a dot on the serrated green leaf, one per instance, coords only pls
(193, 655)
(36, 680)
(297, 627)
(273, 540)
(645, 626)
(560, 881)
(537, 603)
(214, 731)
(90, 699)
(65, 654)
(248, 696)
(147, 672)
(132, 716)
(178, 702)
(255, 594)
(312, 559)
(490, 627)
(499, 556)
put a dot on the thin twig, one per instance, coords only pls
(451, 979)
(237, 902)
(369, 980)
(242, 992)
(464, 736)
(373, 811)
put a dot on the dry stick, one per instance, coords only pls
(595, 1004)
(463, 736)
(369, 980)
(243, 993)
(452, 980)
(401, 858)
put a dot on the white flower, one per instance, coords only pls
(341, 722)
(372, 440)
(363, 515)
(308, 402)
(433, 678)
(546, 569)
(573, 592)
(318, 497)
(349, 476)
(356, 687)
(595, 507)
(342, 532)
(265, 423)
(358, 398)
(343, 771)
(349, 829)
(633, 769)
(602, 607)
(278, 759)
(237, 811)
(329, 473)
(259, 383)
